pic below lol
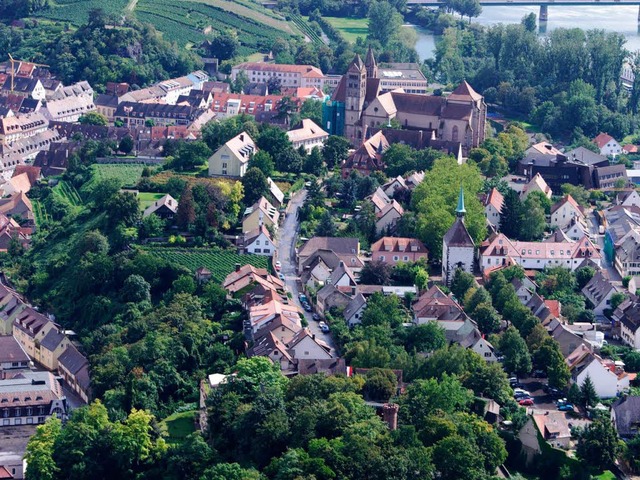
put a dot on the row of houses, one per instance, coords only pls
(274, 326)
(44, 341)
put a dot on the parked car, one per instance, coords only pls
(307, 307)
(302, 297)
(513, 380)
(324, 328)
(566, 407)
(539, 374)
(526, 402)
(520, 390)
(316, 317)
(281, 276)
(520, 396)
(278, 265)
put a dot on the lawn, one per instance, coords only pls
(351, 28)
(606, 475)
(179, 426)
(147, 198)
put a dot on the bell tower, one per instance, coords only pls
(354, 100)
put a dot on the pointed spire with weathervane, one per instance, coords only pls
(460, 210)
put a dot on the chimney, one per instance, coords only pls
(242, 137)
(237, 267)
(390, 415)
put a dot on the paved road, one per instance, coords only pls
(287, 235)
(599, 240)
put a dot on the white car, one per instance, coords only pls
(520, 391)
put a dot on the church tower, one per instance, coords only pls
(356, 90)
(370, 64)
(458, 248)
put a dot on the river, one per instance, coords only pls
(622, 19)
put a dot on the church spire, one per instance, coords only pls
(371, 64)
(460, 210)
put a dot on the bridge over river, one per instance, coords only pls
(543, 4)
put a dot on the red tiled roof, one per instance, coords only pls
(602, 139)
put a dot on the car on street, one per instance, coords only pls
(520, 396)
(526, 402)
(324, 328)
(316, 317)
(278, 265)
(307, 307)
(516, 391)
(302, 297)
(513, 381)
(281, 276)
(566, 407)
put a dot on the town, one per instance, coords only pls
(228, 252)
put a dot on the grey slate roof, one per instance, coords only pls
(11, 351)
(52, 339)
(72, 359)
(355, 304)
(627, 415)
(458, 235)
(598, 288)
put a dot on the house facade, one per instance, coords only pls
(392, 250)
(259, 242)
(493, 207)
(564, 212)
(231, 159)
(308, 135)
(608, 145)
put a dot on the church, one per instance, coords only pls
(458, 248)
(358, 104)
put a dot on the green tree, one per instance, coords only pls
(224, 46)
(313, 162)
(532, 227)
(262, 161)
(40, 451)
(384, 22)
(126, 144)
(326, 227)
(598, 445)
(186, 213)
(136, 289)
(455, 457)
(335, 150)
(435, 200)
(588, 395)
(461, 283)
(511, 217)
(93, 118)
(255, 185)
(151, 226)
(380, 384)
(487, 318)
(516, 355)
(375, 272)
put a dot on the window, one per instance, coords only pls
(405, 258)
(267, 250)
(382, 258)
(257, 242)
(395, 258)
(487, 354)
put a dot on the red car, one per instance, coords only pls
(526, 402)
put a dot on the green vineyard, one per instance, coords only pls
(220, 262)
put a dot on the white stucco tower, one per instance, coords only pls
(457, 246)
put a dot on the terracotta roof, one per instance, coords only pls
(495, 199)
(399, 244)
(464, 91)
(435, 304)
(554, 307)
(32, 172)
(602, 139)
(567, 199)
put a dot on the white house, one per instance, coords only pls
(493, 207)
(537, 255)
(483, 348)
(607, 145)
(565, 211)
(309, 136)
(458, 248)
(231, 159)
(608, 377)
(388, 217)
(353, 312)
(628, 198)
(306, 345)
(394, 185)
(599, 291)
(259, 242)
(576, 229)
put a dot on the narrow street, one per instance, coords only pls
(598, 240)
(287, 236)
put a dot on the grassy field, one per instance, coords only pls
(221, 263)
(147, 198)
(128, 175)
(351, 28)
(179, 426)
